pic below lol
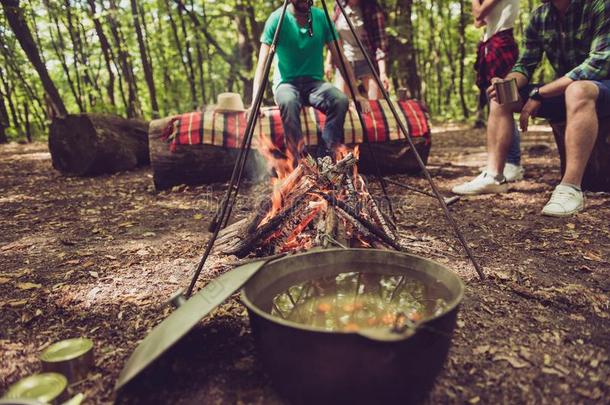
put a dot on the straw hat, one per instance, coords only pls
(229, 102)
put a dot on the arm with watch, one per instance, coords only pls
(536, 95)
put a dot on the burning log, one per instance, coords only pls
(371, 227)
(314, 203)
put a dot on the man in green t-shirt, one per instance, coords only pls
(299, 71)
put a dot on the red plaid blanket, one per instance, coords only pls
(227, 129)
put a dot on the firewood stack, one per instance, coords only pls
(318, 203)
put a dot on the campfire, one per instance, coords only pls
(315, 202)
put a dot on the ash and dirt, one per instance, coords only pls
(100, 257)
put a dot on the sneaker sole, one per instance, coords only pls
(499, 191)
(518, 178)
(563, 214)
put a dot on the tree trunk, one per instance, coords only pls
(9, 98)
(148, 73)
(76, 53)
(14, 15)
(92, 144)
(59, 47)
(189, 59)
(133, 109)
(462, 51)
(106, 50)
(169, 98)
(406, 73)
(4, 123)
(179, 50)
(191, 164)
(245, 49)
(26, 116)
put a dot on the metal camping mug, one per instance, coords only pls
(506, 91)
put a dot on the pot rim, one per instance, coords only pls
(284, 322)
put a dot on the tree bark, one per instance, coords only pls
(59, 48)
(92, 144)
(4, 123)
(179, 49)
(76, 53)
(148, 72)
(12, 64)
(462, 51)
(26, 116)
(245, 49)
(9, 98)
(406, 73)
(133, 109)
(189, 164)
(189, 59)
(14, 15)
(106, 50)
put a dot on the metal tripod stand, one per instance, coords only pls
(222, 216)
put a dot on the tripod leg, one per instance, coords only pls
(246, 142)
(405, 133)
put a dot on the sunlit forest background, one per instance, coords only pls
(154, 58)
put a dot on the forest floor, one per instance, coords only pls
(99, 257)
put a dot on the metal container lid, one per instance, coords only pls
(44, 387)
(66, 350)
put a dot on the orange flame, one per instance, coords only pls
(282, 164)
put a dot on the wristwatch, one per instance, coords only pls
(535, 94)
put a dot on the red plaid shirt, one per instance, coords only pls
(495, 57)
(375, 39)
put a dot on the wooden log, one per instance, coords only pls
(92, 144)
(191, 164)
(597, 172)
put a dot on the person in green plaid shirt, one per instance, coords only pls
(575, 36)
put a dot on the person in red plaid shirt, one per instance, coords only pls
(368, 20)
(496, 55)
(575, 37)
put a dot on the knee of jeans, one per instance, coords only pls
(289, 105)
(341, 103)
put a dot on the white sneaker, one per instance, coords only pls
(564, 201)
(482, 184)
(513, 172)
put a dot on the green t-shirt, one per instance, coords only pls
(298, 54)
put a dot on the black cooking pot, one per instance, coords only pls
(312, 365)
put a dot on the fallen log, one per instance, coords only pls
(597, 172)
(92, 144)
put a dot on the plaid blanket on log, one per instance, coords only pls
(227, 129)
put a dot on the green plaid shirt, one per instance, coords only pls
(577, 46)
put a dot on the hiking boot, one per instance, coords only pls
(564, 202)
(513, 172)
(484, 183)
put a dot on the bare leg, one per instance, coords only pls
(372, 89)
(500, 128)
(581, 129)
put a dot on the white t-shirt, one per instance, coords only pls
(501, 17)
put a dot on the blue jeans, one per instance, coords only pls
(514, 153)
(304, 91)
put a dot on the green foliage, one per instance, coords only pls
(71, 48)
